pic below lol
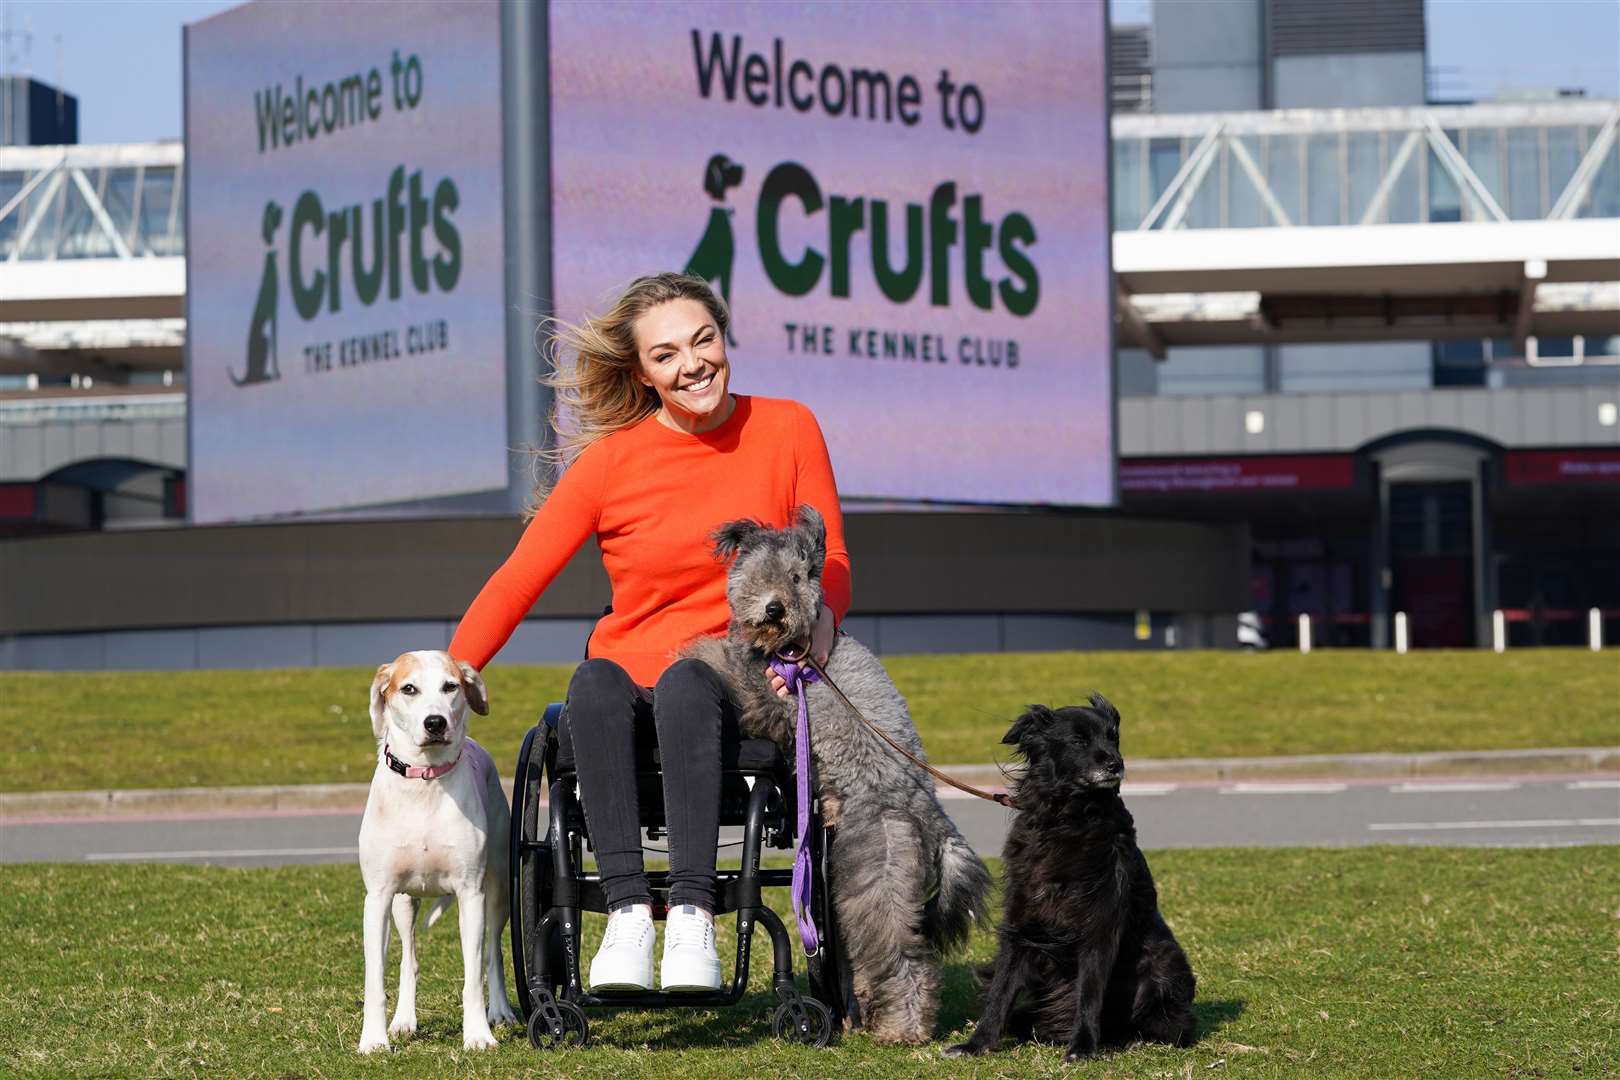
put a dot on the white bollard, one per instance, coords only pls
(1498, 631)
(1304, 633)
(1594, 629)
(1400, 632)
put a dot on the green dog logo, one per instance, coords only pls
(717, 250)
(261, 338)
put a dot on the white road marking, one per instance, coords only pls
(1593, 785)
(1129, 788)
(1284, 789)
(225, 853)
(1538, 823)
(1441, 787)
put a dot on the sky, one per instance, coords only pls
(122, 57)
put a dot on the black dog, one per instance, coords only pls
(1085, 956)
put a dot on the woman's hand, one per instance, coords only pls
(821, 643)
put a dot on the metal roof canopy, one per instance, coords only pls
(1407, 239)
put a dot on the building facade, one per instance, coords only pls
(1445, 476)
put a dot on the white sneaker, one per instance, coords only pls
(690, 960)
(625, 960)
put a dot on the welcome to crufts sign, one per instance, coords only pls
(906, 206)
(344, 256)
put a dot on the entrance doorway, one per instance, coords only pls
(1431, 554)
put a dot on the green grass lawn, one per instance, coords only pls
(168, 729)
(1372, 962)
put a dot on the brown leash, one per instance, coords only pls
(996, 797)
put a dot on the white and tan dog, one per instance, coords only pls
(436, 824)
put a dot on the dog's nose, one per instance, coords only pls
(1116, 766)
(774, 610)
(435, 725)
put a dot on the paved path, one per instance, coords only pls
(1489, 811)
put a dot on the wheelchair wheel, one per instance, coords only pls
(531, 872)
(556, 1025)
(804, 1020)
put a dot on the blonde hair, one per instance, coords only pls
(594, 367)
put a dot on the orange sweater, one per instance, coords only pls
(651, 496)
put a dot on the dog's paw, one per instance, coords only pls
(372, 1041)
(500, 1012)
(961, 1050)
(1076, 1054)
(478, 1040)
(404, 1024)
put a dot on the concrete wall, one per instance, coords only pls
(349, 592)
(562, 641)
(1524, 417)
(1348, 80)
(1207, 56)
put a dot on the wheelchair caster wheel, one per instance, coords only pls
(803, 1020)
(554, 1025)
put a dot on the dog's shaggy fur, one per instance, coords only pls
(1085, 957)
(906, 887)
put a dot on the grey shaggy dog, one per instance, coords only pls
(906, 888)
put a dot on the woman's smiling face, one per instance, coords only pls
(682, 356)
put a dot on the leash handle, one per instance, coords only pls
(999, 797)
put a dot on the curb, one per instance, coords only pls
(314, 798)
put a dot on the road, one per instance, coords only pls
(1489, 812)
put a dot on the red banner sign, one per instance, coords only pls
(1561, 466)
(1281, 473)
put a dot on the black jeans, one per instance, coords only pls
(685, 711)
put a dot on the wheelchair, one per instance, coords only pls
(550, 889)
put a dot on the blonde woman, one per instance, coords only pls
(660, 452)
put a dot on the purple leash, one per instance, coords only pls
(795, 675)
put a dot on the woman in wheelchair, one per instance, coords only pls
(657, 452)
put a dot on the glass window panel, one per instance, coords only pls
(1563, 156)
(1524, 174)
(1164, 161)
(47, 201)
(78, 234)
(1405, 200)
(10, 184)
(1245, 209)
(1554, 347)
(1283, 173)
(1445, 198)
(1603, 346)
(119, 200)
(1364, 171)
(1205, 210)
(1484, 155)
(1603, 200)
(155, 199)
(1323, 180)
(1128, 208)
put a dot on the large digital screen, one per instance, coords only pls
(345, 299)
(905, 205)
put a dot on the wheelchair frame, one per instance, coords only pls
(550, 890)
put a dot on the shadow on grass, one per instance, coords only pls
(1214, 1015)
(958, 997)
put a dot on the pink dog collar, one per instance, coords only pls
(417, 772)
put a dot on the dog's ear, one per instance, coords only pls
(472, 684)
(730, 537)
(379, 699)
(1034, 719)
(807, 519)
(1105, 708)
